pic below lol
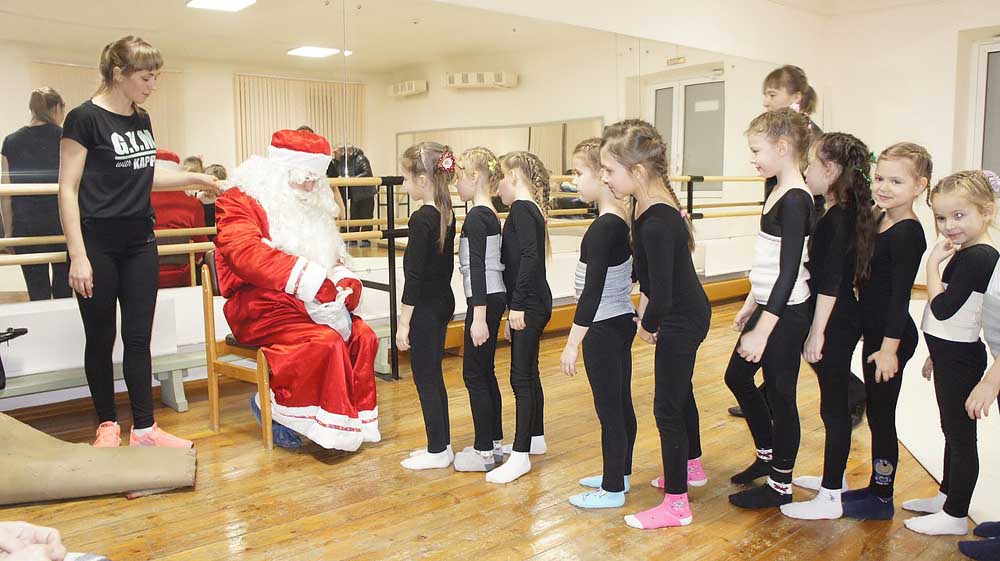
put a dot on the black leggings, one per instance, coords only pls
(958, 367)
(36, 277)
(607, 355)
(480, 376)
(675, 409)
(834, 375)
(362, 209)
(773, 416)
(529, 401)
(882, 398)
(122, 254)
(428, 326)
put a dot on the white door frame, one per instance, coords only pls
(980, 119)
(677, 142)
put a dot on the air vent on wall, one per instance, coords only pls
(481, 79)
(407, 88)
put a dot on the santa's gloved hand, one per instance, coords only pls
(333, 314)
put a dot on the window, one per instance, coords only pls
(986, 145)
(690, 116)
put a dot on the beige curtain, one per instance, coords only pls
(77, 84)
(265, 104)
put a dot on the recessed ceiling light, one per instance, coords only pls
(313, 52)
(221, 5)
(348, 53)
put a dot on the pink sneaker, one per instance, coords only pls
(696, 476)
(674, 511)
(158, 437)
(109, 435)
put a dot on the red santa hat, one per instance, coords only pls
(167, 159)
(300, 149)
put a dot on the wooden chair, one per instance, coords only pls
(261, 375)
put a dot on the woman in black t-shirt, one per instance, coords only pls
(31, 155)
(106, 175)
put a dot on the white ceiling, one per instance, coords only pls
(384, 34)
(841, 7)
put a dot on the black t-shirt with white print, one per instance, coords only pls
(118, 173)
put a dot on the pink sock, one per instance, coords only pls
(672, 512)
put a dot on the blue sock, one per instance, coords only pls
(595, 482)
(988, 530)
(981, 550)
(598, 499)
(854, 495)
(870, 507)
(282, 436)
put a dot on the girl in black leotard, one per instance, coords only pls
(839, 252)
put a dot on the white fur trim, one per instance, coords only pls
(293, 278)
(312, 280)
(340, 273)
(329, 430)
(315, 163)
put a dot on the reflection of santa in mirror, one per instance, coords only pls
(175, 210)
(281, 267)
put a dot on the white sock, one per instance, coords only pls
(815, 482)
(420, 451)
(824, 506)
(516, 465)
(939, 524)
(474, 460)
(929, 506)
(498, 448)
(429, 461)
(142, 432)
(538, 446)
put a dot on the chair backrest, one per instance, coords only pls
(209, 261)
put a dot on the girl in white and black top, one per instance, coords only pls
(964, 207)
(31, 155)
(486, 298)
(106, 175)
(604, 324)
(777, 314)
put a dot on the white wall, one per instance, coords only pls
(567, 82)
(759, 29)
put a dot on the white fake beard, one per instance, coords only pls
(301, 223)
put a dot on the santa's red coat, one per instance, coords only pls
(322, 386)
(174, 210)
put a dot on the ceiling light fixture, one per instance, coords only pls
(220, 5)
(313, 52)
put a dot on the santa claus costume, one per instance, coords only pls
(176, 209)
(280, 266)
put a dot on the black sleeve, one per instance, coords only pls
(598, 241)
(660, 239)
(906, 247)
(474, 229)
(364, 166)
(415, 257)
(796, 213)
(971, 274)
(4, 151)
(530, 259)
(836, 255)
(79, 126)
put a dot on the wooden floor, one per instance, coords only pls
(322, 505)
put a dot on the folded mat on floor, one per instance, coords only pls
(37, 467)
